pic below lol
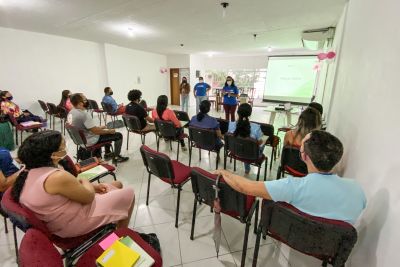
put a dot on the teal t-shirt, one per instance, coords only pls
(323, 195)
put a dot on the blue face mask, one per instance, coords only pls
(10, 98)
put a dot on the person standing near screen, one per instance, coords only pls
(200, 92)
(185, 90)
(230, 92)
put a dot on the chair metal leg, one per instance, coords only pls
(234, 165)
(199, 154)
(148, 190)
(246, 239)
(256, 218)
(225, 158)
(258, 172)
(127, 140)
(21, 137)
(193, 218)
(265, 170)
(324, 263)
(15, 241)
(257, 246)
(272, 154)
(5, 225)
(158, 143)
(16, 136)
(190, 153)
(177, 207)
(177, 151)
(216, 165)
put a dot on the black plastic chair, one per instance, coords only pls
(272, 141)
(94, 107)
(182, 116)
(170, 171)
(60, 113)
(79, 139)
(331, 241)
(233, 203)
(291, 163)
(223, 125)
(245, 150)
(132, 124)
(166, 129)
(205, 139)
(45, 108)
(109, 111)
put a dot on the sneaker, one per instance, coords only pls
(119, 159)
(108, 156)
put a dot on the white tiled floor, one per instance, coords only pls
(159, 216)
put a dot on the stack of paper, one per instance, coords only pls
(92, 173)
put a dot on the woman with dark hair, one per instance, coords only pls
(65, 101)
(9, 107)
(309, 119)
(163, 113)
(70, 207)
(185, 90)
(230, 92)
(204, 121)
(244, 128)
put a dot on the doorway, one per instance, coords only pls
(174, 82)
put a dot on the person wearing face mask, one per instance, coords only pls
(321, 193)
(68, 206)
(230, 92)
(81, 119)
(185, 90)
(117, 109)
(9, 107)
(200, 92)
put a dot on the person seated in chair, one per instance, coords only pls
(309, 120)
(9, 107)
(321, 193)
(81, 119)
(163, 113)
(108, 99)
(204, 121)
(68, 206)
(8, 170)
(244, 128)
(134, 108)
(66, 101)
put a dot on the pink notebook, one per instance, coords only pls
(108, 241)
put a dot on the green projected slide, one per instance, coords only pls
(290, 78)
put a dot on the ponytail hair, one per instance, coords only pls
(204, 109)
(243, 123)
(35, 152)
(162, 104)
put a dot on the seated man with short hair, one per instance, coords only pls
(134, 108)
(81, 119)
(321, 193)
(108, 99)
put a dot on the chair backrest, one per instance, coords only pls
(231, 201)
(93, 104)
(143, 103)
(21, 216)
(246, 148)
(107, 108)
(292, 163)
(37, 250)
(322, 238)
(132, 122)
(69, 165)
(157, 163)
(223, 125)
(76, 135)
(43, 106)
(52, 108)
(182, 115)
(165, 128)
(203, 138)
(267, 129)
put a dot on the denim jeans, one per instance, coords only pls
(185, 102)
(247, 166)
(198, 101)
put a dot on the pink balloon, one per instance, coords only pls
(322, 56)
(331, 55)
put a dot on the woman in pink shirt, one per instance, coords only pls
(65, 101)
(166, 114)
(68, 206)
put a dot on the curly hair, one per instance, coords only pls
(134, 95)
(35, 152)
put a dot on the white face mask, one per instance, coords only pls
(229, 83)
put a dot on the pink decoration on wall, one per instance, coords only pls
(331, 55)
(322, 56)
(163, 70)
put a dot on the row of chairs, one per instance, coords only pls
(330, 241)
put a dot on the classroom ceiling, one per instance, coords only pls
(162, 25)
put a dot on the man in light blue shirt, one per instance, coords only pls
(108, 99)
(200, 92)
(321, 193)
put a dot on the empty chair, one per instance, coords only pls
(166, 129)
(205, 139)
(94, 107)
(291, 163)
(233, 203)
(109, 111)
(272, 141)
(132, 124)
(182, 116)
(25, 126)
(170, 171)
(58, 112)
(245, 150)
(331, 241)
(45, 108)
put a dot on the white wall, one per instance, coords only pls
(364, 115)
(39, 66)
(235, 62)
(178, 61)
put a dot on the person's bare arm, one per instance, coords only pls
(65, 184)
(5, 183)
(244, 185)
(101, 131)
(149, 119)
(219, 134)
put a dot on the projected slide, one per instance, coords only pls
(290, 79)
